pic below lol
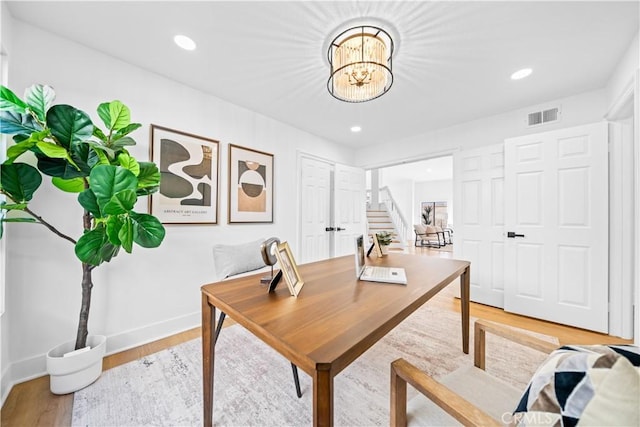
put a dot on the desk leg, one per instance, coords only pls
(208, 327)
(322, 398)
(464, 308)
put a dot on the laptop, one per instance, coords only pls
(376, 274)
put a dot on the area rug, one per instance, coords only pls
(254, 385)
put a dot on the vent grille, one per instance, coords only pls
(545, 116)
(535, 118)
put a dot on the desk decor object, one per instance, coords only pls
(189, 170)
(289, 268)
(250, 185)
(268, 249)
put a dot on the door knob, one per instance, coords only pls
(340, 229)
(512, 234)
(329, 229)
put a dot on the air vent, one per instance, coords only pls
(542, 117)
(535, 118)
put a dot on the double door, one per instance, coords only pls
(533, 221)
(332, 208)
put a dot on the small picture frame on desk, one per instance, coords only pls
(289, 269)
(376, 245)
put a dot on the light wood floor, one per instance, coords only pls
(31, 403)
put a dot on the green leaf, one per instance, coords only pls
(114, 224)
(92, 247)
(18, 150)
(105, 115)
(58, 167)
(126, 131)
(128, 162)
(97, 132)
(52, 150)
(19, 181)
(10, 101)
(126, 141)
(98, 146)
(106, 181)
(74, 185)
(120, 115)
(149, 175)
(89, 202)
(98, 157)
(40, 99)
(13, 206)
(13, 122)
(125, 235)
(69, 124)
(21, 219)
(115, 115)
(148, 232)
(121, 202)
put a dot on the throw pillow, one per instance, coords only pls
(235, 259)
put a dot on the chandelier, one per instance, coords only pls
(360, 61)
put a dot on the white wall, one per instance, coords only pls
(622, 77)
(576, 110)
(154, 292)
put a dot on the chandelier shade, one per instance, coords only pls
(360, 62)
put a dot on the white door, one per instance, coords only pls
(350, 208)
(315, 212)
(556, 207)
(479, 220)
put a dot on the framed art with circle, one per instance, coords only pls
(250, 185)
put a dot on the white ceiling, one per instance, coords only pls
(452, 63)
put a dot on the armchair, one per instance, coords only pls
(587, 385)
(469, 395)
(426, 234)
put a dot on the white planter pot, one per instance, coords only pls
(74, 372)
(384, 249)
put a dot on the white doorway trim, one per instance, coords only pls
(625, 106)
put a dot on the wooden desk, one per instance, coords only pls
(333, 321)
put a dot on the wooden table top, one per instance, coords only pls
(336, 317)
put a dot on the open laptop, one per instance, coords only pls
(376, 274)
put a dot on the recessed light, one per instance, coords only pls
(184, 42)
(356, 128)
(521, 74)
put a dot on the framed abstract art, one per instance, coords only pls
(250, 185)
(189, 169)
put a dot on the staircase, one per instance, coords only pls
(379, 220)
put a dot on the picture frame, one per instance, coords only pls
(250, 186)
(376, 245)
(189, 169)
(289, 268)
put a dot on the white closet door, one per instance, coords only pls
(350, 207)
(479, 220)
(315, 210)
(556, 193)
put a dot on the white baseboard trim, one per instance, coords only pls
(34, 367)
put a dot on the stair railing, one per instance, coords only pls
(399, 221)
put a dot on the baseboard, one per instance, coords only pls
(136, 337)
(34, 367)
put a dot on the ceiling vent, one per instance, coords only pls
(542, 117)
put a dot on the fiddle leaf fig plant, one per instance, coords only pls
(64, 144)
